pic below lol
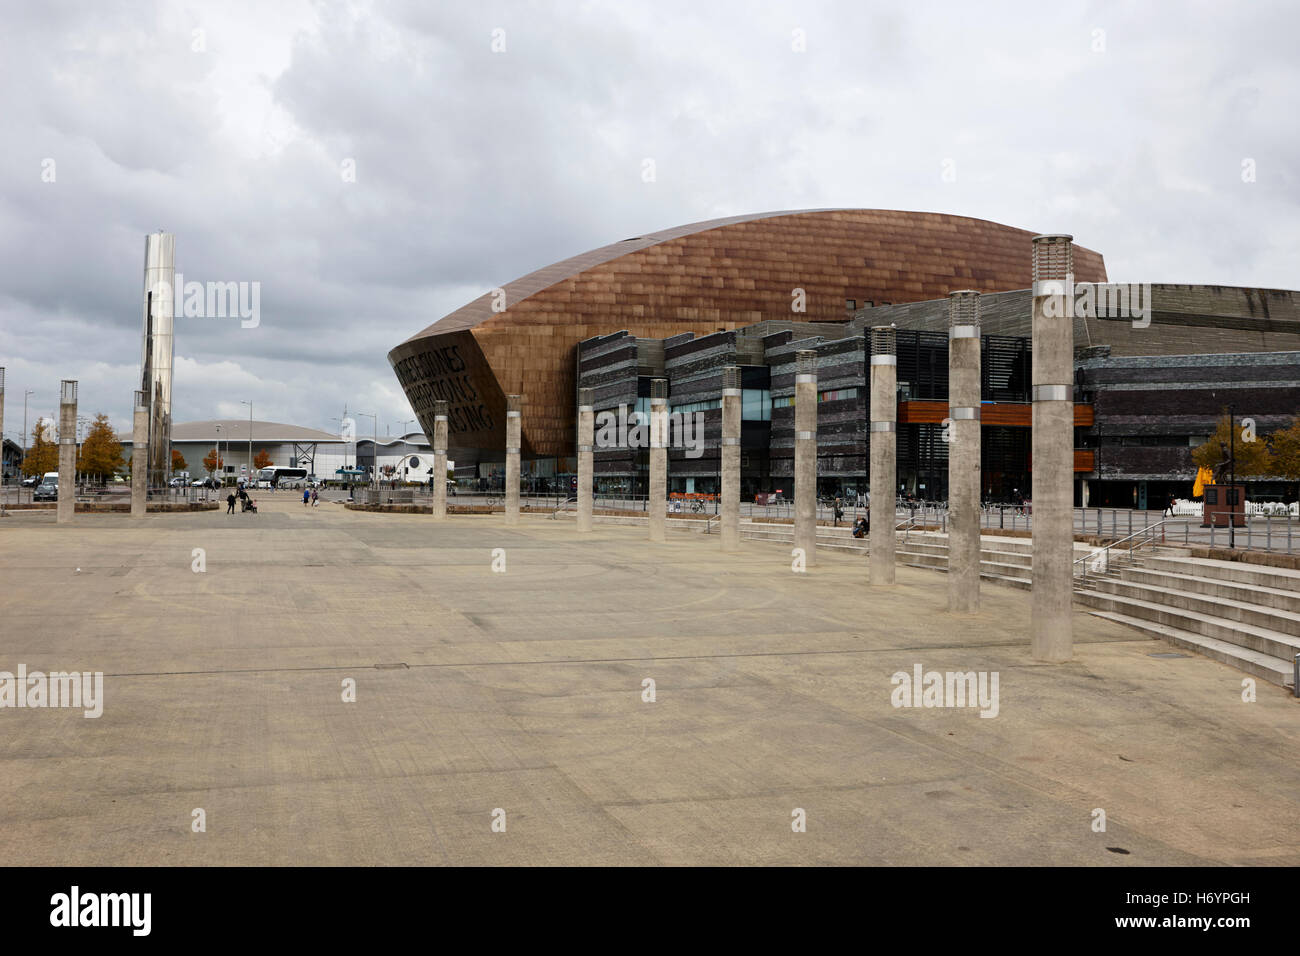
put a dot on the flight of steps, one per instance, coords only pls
(830, 538)
(1005, 561)
(1245, 615)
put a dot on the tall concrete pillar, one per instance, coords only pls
(439, 460)
(657, 506)
(514, 434)
(140, 455)
(1052, 479)
(805, 454)
(3, 489)
(730, 490)
(963, 451)
(67, 451)
(884, 442)
(586, 455)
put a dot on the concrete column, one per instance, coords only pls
(513, 436)
(67, 451)
(1052, 480)
(730, 449)
(805, 454)
(3, 489)
(657, 506)
(884, 462)
(586, 456)
(439, 460)
(140, 456)
(963, 436)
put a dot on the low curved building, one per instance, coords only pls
(720, 275)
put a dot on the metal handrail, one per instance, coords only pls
(708, 521)
(1105, 550)
(907, 526)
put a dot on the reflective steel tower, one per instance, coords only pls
(156, 358)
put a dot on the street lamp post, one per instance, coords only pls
(25, 394)
(1232, 478)
(250, 438)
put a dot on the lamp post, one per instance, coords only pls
(250, 438)
(24, 461)
(1232, 479)
(217, 463)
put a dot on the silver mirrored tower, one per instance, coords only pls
(156, 357)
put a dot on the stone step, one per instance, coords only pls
(1259, 665)
(1244, 612)
(1251, 637)
(1237, 572)
(1215, 587)
(1004, 574)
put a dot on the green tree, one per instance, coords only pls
(1253, 456)
(43, 455)
(101, 452)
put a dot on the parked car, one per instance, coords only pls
(177, 482)
(31, 481)
(46, 491)
(205, 483)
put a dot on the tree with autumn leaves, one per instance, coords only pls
(262, 460)
(1275, 455)
(101, 451)
(212, 462)
(43, 455)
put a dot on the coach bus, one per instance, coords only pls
(276, 476)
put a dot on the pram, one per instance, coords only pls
(249, 505)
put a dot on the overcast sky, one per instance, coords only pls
(234, 126)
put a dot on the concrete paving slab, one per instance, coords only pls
(478, 690)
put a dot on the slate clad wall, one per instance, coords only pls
(1178, 399)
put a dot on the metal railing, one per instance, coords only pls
(1099, 560)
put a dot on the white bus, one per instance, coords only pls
(277, 477)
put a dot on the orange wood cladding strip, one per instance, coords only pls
(1012, 414)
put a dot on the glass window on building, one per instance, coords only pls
(756, 404)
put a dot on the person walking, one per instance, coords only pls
(230, 503)
(315, 496)
(306, 497)
(837, 510)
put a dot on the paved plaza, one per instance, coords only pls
(521, 690)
